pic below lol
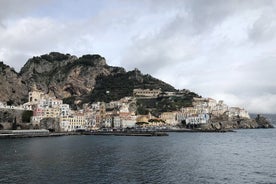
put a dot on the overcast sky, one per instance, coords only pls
(220, 49)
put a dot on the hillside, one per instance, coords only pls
(75, 80)
(119, 85)
(13, 90)
(164, 104)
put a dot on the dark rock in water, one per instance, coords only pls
(247, 123)
(263, 122)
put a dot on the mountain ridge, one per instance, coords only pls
(79, 79)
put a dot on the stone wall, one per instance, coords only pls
(12, 119)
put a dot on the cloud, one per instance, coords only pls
(214, 47)
(222, 49)
(262, 104)
(11, 9)
(107, 31)
(264, 28)
(29, 37)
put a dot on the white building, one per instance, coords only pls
(238, 112)
(128, 122)
(196, 120)
(108, 122)
(65, 110)
(117, 122)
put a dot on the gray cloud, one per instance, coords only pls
(216, 48)
(264, 28)
(221, 49)
(10, 9)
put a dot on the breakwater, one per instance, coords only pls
(127, 133)
(199, 130)
(32, 135)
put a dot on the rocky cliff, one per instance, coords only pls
(65, 75)
(13, 89)
(237, 123)
(76, 80)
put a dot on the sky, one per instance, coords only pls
(225, 50)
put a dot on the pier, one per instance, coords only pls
(127, 133)
(32, 133)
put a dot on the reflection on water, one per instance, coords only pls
(247, 156)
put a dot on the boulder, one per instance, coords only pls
(263, 122)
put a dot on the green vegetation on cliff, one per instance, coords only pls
(79, 80)
(26, 116)
(115, 87)
(164, 104)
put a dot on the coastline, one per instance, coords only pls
(147, 134)
(109, 133)
(224, 127)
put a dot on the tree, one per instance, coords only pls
(26, 116)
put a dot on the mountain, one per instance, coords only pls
(75, 80)
(65, 75)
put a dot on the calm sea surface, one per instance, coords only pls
(247, 156)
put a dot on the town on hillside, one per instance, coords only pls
(122, 114)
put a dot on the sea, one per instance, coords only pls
(244, 156)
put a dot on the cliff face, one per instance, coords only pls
(64, 75)
(13, 89)
(74, 79)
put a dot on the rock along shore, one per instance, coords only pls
(237, 123)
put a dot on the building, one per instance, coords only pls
(117, 122)
(196, 120)
(45, 106)
(146, 92)
(128, 122)
(35, 96)
(187, 112)
(65, 110)
(238, 112)
(108, 122)
(219, 109)
(73, 123)
(170, 118)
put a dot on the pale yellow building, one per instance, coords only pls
(188, 111)
(146, 92)
(73, 123)
(170, 118)
(35, 95)
(51, 112)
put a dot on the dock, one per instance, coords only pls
(28, 135)
(127, 133)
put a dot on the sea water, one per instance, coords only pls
(244, 156)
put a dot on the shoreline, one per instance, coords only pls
(118, 133)
(108, 133)
(147, 134)
(200, 131)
